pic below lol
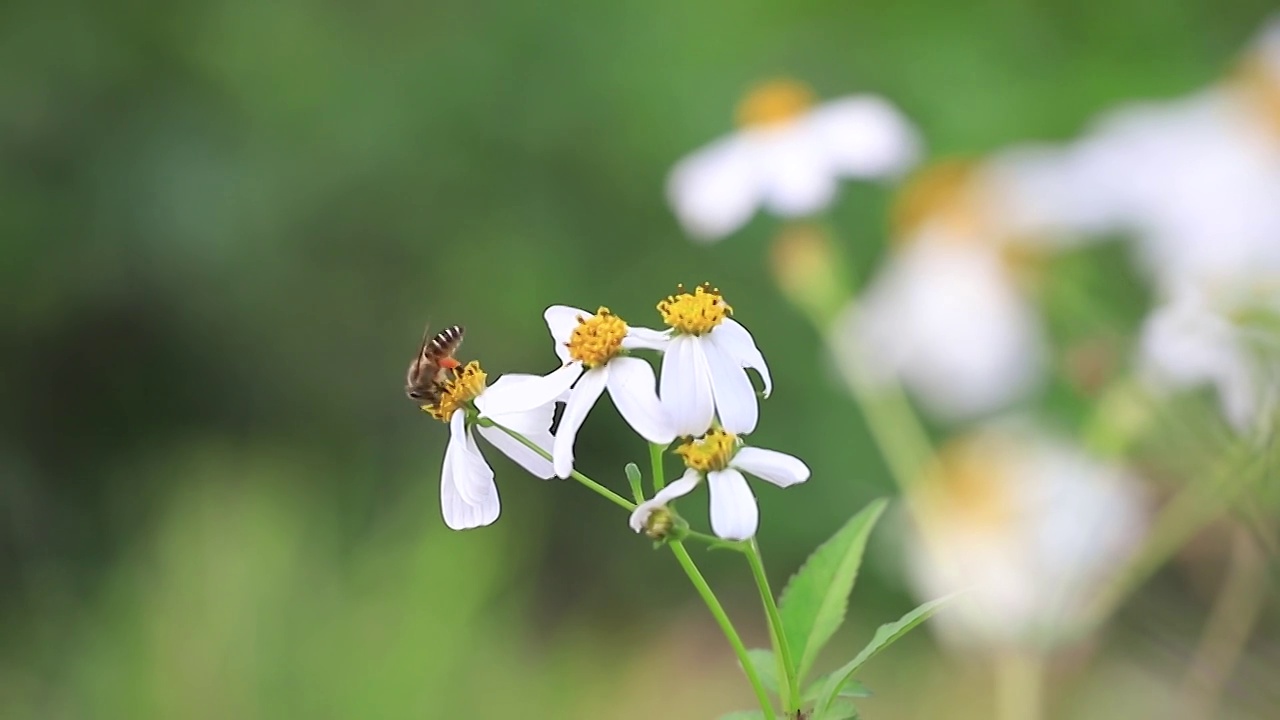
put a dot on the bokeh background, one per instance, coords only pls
(223, 225)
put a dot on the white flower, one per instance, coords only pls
(704, 365)
(788, 157)
(468, 495)
(1029, 527)
(591, 346)
(719, 458)
(1226, 336)
(945, 317)
(1196, 180)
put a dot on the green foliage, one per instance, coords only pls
(886, 635)
(766, 667)
(814, 602)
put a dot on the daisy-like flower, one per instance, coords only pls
(1027, 527)
(593, 348)
(1225, 335)
(468, 495)
(704, 366)
(788, 156)
(946, 315)
(720, 458)
(1195, 180)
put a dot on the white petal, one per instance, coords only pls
(468, 497)
(581, 399)
(631, 385)
(514, 449)
(735, 399)
(734, 339)
(686, 387)
(715, 190)
(526, 392)
(798, 178)
(561, 320)
(472, 473)
(639, 338)
(734, 515)
(683, 486)
(864, 136)
(778, 468)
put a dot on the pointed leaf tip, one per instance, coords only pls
(815, 600)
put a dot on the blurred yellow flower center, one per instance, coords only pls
(696, 313)
(968, 485)
(597, 338)
(466, 385)
(942, 193)
(1259, 84)
(773, 103)
(712, 451)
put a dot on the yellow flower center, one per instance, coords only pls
(1260, 86)
(696, 313)
(968, 484)
(712, 451)
(597, 338)
(773, 103)
(465, 386)
(942, 193)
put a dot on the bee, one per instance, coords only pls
(429, 369)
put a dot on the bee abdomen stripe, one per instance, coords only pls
(446, 339)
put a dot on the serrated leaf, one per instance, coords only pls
(885, 636)
(766, 668)
(814, 601)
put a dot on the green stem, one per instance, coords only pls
(781, 648)
(655, 459)
(726, 625)
(1194, 507)
(892, 421)
(596, 487)
(1019, 678)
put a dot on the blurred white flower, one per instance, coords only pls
(704, 365)
(1226, 336)
(1196, 180)
(720, 458)
(468, 495)
(592, 346)
(1028, 526)
(945, 314)
(788, 156)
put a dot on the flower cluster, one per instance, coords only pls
(704, 396)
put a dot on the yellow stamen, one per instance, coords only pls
(597, 339)
(696, 313)
(465, 386)
(712, 451)
(774, 103)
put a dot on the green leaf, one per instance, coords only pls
(766, 667)
(885, 636)
(839, 710)
(850, 689)
(814, 602)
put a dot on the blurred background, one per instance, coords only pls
(224, 223)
